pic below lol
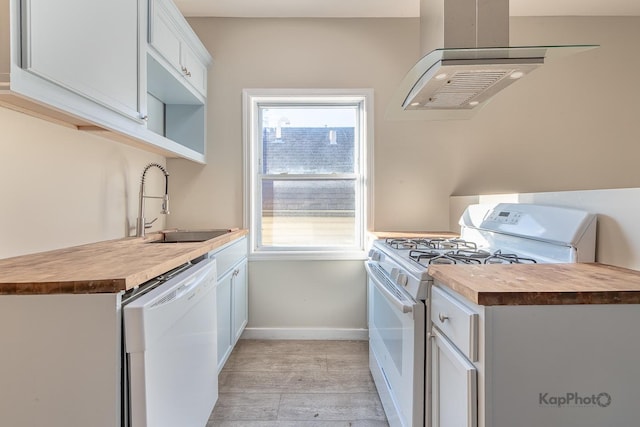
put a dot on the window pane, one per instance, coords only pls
(309, 213)
(308, 140)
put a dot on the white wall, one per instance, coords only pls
(307, 299)
(60, 187)
(571, 125)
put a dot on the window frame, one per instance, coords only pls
(252, 212)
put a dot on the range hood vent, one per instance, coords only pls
(464, 84)
(467, 60)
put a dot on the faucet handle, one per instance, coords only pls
(148, 224)
(165, 205)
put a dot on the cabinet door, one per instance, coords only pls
(168, 37)
(223, 312)
(194, 71)
(163, 36)
(240, 300)
(454, 386)
(88, 47)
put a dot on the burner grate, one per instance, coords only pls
(424, 243)
(466, 256)
(448, 257)
(499, 258)
(402, 243)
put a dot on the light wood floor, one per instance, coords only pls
(297, 384)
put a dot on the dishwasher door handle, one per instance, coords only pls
(192, 283)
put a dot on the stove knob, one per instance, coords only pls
(375, 255)
(402, 279)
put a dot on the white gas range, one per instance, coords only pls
(399, 287)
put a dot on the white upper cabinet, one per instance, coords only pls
(172, 40)
(194, 69)
(88, 47)
(89, 64)
(163, 34)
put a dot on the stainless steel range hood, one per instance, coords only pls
(467, 60)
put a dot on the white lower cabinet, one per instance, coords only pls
(232, 296)
(535, 365)
(454, 385)
(454, 378)
(223, 313)
(240, 300)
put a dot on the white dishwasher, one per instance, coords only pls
(170, 349)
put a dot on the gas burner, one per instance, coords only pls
(450, 244)
(424, 252)
(402, 243)
(448, 257)
(424, 243)
(499, 258)
(465, 256)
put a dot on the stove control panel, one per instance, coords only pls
(504, 216)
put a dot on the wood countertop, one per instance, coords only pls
(103, 267)
(409, 234)
(541, 284)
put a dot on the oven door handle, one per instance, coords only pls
(376, 278)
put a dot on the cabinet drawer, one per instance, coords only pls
(230, 255)
(194, 70)
(458, 322)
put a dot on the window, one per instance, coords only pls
(307, 160)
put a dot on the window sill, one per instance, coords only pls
(308, 256)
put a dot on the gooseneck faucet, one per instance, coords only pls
(141, 224)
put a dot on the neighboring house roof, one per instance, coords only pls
(307, 151)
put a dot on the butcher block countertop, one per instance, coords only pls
(409, 234)
(541, 284)
(103, 267)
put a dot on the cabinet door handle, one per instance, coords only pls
(186, 71)
(443, 318)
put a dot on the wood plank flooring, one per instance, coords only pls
(297, 384)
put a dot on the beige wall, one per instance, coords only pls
(60, 187)
(306, 53)
(312, 296)
(570, 125)
(311, 53)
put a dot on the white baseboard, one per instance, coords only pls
(305, 334)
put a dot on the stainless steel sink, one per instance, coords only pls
(190, 236)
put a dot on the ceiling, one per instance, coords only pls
(390, 8)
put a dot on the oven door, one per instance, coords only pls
(396, 349)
